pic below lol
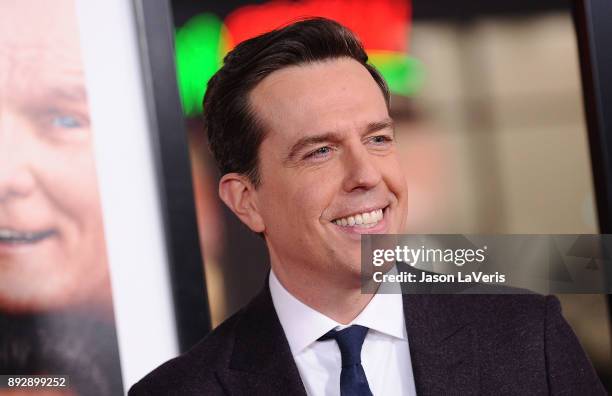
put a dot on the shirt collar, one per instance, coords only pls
(304, 325)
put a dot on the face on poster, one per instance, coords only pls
(53, 263)
(52, 251)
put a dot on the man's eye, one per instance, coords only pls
(63, 125)
(381, 139)
(64, 121)
(320, 152)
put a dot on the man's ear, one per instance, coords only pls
(239, 195)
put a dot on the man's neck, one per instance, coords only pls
(342, 303)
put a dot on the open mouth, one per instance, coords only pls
(362, 220)
(8, 236)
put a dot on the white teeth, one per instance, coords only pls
(7, 233)
(12, 236)
(366, 219)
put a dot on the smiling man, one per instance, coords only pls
(299, 125)
(323, 181)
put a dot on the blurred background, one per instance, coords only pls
(490, 124)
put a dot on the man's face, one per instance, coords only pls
(51, 240)
(328, 161)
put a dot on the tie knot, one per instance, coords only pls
(350, 341)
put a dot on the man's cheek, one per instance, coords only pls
(310, 193)
(395, 175)
(75, 193)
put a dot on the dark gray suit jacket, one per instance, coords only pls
(459, 345)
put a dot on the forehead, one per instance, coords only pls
(333, 95)
(38, 44)
(38, 23)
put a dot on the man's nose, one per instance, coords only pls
(362, 171)
(16, 178)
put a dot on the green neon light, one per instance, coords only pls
(201, 45)
(404, 75)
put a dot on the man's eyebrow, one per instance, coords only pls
(378, 126)
(74, 93)
(333, 137)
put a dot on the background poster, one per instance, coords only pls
(56, 312)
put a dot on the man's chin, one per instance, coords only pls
(346, 271)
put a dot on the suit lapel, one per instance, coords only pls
(442, 349)
(261, 362)
(442, 345)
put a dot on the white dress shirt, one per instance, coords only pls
(385, 355)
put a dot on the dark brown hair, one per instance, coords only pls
(234, 131)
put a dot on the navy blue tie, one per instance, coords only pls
(353, 381)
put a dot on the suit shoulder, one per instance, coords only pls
(534, 324)
(195, 370)
(505, 310)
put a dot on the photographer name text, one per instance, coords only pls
(425, 277)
